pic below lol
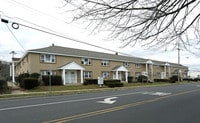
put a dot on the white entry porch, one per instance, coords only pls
(72, 73)
(120, 73)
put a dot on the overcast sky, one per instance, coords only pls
(50, 14)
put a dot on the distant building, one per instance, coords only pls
(75, 65)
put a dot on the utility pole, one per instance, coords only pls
(13, 66)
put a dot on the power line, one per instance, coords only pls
(15, 38)
(54, 32)
(35, 10)
(51, 32)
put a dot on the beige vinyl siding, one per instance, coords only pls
(31, 63)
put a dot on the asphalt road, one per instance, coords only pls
(168, 104)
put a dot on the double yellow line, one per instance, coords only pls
(117, 108)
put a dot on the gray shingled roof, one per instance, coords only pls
(64, 51)
(85, 53)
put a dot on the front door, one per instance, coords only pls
(117, 77)
(71, 77)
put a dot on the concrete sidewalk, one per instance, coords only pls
(15, 89)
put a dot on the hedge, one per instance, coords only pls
(3, 86)
(55, 80)
(35, 75)
(192, 79)
(90, 82)
(161, 80)
(130, 79)
(30, 83)
(173, 79)
(109, 83)
(21, 77)
(113, 83)
(142, 78)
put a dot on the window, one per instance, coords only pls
(137, 65)
(137, 74)
(87, 74)
(126, 64)
(47, 72)
(86, 61)
(47, 58)
(105, 63)
(105, 74)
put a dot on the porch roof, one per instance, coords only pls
(120, 68)
(71, 66)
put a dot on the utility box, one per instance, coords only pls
(100, 81)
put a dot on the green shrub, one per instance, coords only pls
(196, 79)
(130, 79)
(55, 80)
(30, 83)
(90, 82)
(142, 78)
(3, 86)
(173, 79)
(161, 80)
(20, 78)
(113, 83)
(35, 75)
(114, 80)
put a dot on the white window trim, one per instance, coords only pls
(105, 62)
(44, 58)
(86, 61)
(126, 64)
(105, 74)
(46, 72)
(87, 74)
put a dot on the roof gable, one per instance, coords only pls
(71, 66)
(120, 68)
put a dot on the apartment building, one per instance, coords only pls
(75, 65)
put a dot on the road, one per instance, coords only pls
(167, 104)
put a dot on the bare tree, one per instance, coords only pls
(152, 23)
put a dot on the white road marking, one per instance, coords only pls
(79, 100)
(157, 93)
(67, 101)
(108, 100)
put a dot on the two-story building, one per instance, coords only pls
(75, 65)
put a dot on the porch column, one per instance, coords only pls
(152, 72)
(81, 76)
(146, 68)
(165, 71)
(169, 69)
(63, 76)
(117, 77)
(126, 75)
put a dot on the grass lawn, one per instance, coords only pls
(71, 89)
(63, 88)
(80, 87)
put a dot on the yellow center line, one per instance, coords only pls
(117, 108)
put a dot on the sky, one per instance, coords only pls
(51, 15)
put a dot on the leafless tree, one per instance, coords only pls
(152, 23)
